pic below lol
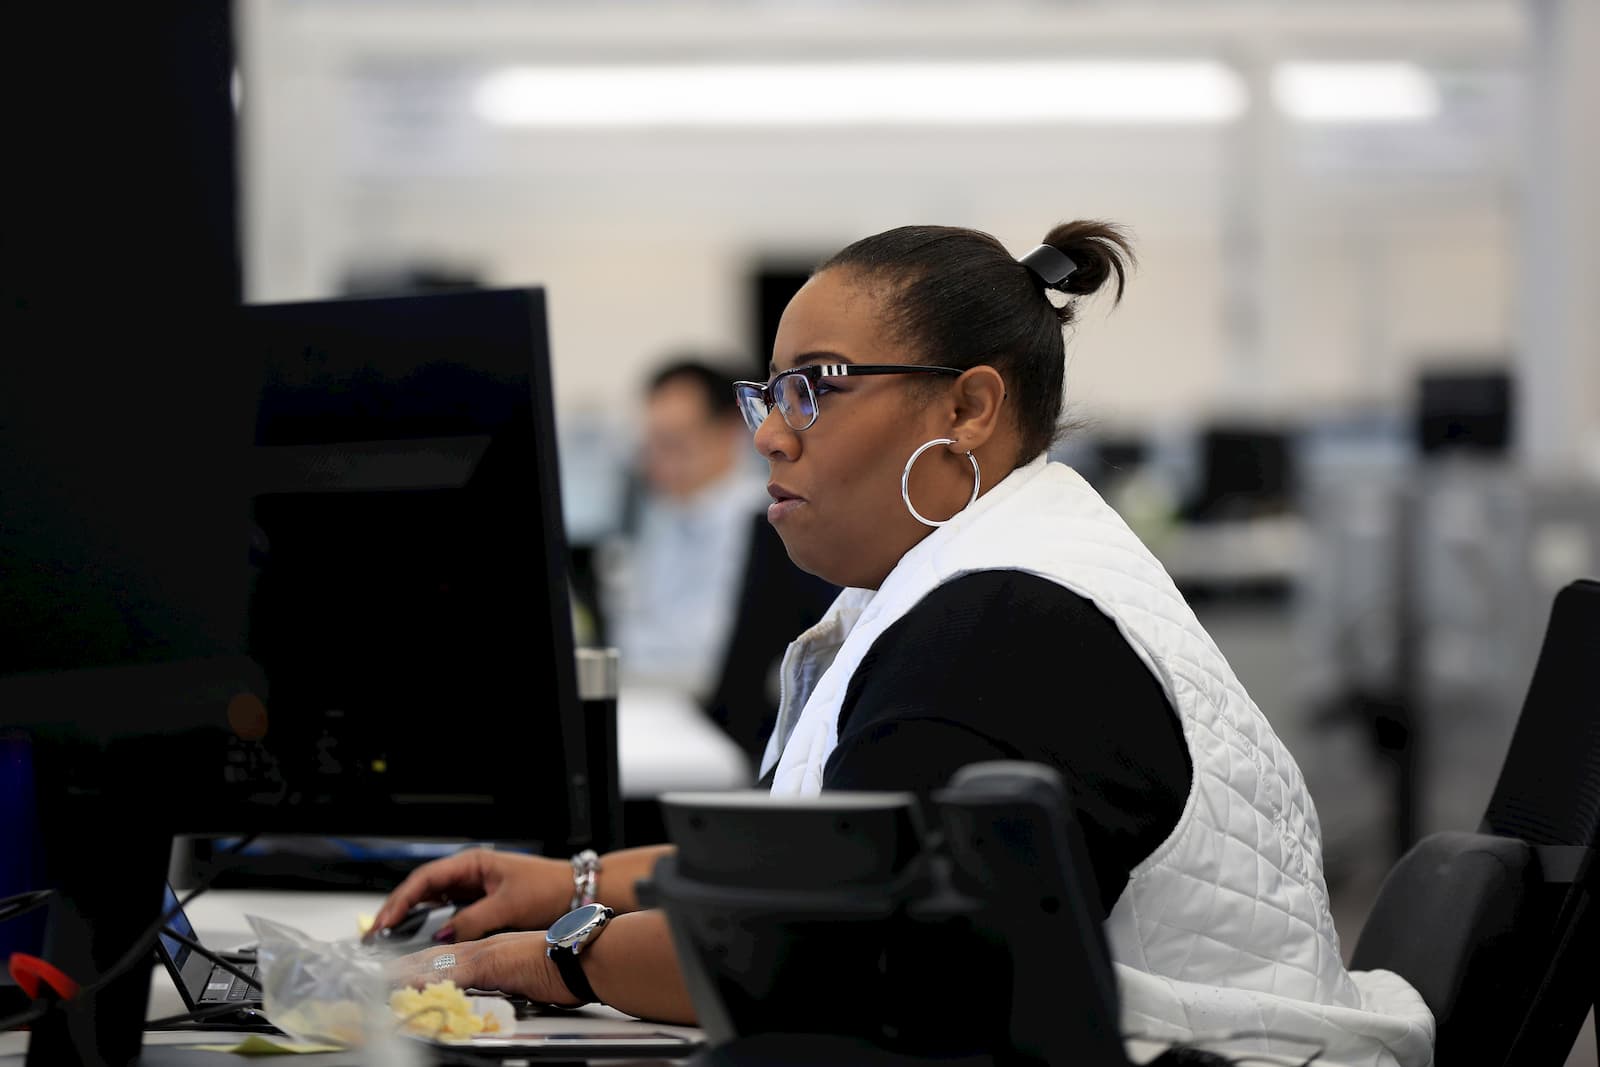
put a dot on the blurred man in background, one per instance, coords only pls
(671, 601)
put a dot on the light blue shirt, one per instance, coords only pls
(672, 602)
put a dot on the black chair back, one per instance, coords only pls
(1497, 930)
(1549, 796)
(1448, 919)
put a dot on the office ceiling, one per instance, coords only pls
(788, 28)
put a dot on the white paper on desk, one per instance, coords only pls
(257, 1045)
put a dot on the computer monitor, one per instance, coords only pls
(380, 645)
(1464, 410)
(408, 595)
(117, 288)
(403, 660)
(127, 415)
(1246, 471)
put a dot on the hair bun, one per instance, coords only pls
(1097, 250)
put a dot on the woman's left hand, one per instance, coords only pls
(512, 963)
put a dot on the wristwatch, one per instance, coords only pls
(567, 937)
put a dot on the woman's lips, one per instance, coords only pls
(784, 503)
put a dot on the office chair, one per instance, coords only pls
(1497, 929)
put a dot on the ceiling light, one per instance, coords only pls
(1355, 92)
(877, 93)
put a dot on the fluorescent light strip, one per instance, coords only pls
(850, 94)
(1355, 92)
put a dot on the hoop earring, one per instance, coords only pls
(905, 480)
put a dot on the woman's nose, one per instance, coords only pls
(774, 439)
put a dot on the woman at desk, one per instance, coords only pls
(994, 608)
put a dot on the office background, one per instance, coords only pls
(1330, 201)
(1295, 258)
(1368, 234)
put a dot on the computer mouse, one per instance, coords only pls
(417, 927)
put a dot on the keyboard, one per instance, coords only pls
(223, 987)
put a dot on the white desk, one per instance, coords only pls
(665, 742)
(218, 918)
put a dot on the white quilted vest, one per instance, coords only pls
(1224, 928)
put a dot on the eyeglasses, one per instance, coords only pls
(794, 392)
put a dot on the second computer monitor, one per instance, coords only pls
(408, 594)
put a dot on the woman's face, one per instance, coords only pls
(836, 485)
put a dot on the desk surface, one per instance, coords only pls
(665, 742)
(218, 918)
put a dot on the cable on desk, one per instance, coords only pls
(21, 903)
(33, 1014)
(147, 940)
(210, 1011)
(13, 907)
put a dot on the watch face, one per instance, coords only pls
(574, 922)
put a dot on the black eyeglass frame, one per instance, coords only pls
(766, 392)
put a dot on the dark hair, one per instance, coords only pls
(961, 300)
(716, 385)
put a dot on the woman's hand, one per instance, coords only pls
(632, 966)
(518, 893)
(511, 963)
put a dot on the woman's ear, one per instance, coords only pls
(979, 397)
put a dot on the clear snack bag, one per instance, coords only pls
(320, 991)
(339, 992)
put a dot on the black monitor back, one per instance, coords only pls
(118, 283)
(1464, 410)
(408, 596)
(379, 582)
(358, 624)
(1246, 471)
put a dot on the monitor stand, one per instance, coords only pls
(105, 851)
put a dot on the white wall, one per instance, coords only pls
(1373, 254)
(1560, 398)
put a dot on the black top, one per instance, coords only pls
(1007, 665)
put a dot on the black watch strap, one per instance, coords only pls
(571, 969)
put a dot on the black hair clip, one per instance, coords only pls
(1049, 263)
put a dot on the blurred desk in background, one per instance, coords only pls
(666, 742)
(1241, 555)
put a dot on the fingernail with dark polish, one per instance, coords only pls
(447, 934)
